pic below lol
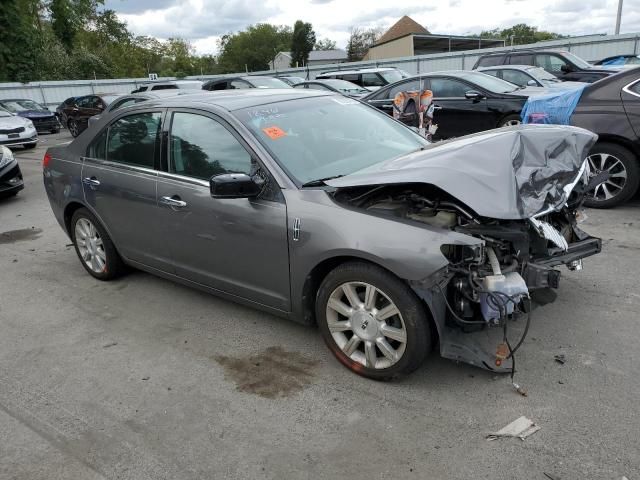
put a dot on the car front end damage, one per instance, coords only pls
(11, 180)
(523, 210)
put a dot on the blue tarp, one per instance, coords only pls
(553, 108)
(615, 61)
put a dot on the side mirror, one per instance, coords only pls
(566, 68)
(532, 83)
(233, 185)
(474, 95)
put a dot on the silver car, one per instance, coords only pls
(318, 208)
(17, 131)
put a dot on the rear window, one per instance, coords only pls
(490, 61)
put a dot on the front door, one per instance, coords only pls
(238, 246)
(119, 183)
(455, 114)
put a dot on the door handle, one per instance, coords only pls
(91, 181)
(173, 201)
(437, 107)
(386, 105)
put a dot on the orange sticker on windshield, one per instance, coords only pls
(274, 133)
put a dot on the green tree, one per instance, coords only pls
(521, 34)
(19, 40)
(359, 42)
(302, 42)
(68, 17)
(252, 49)
(325, 44)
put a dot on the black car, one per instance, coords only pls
(465, 102)
(253, 81)
(611, 108)
(40, 116)
(564, 65)
(11, 181)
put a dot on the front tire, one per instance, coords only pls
(94, 247)
(74, 128)
(372, 321)
(624, 179)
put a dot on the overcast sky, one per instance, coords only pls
(204, 21)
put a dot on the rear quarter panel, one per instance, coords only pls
(63, 181)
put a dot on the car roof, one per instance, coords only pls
(238, 99)
(358, 70)
(502, 67)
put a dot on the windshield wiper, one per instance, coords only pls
(319, 181)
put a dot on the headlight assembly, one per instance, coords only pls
(6, 156)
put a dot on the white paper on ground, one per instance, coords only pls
(521, 428)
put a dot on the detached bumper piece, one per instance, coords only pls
(11, 180)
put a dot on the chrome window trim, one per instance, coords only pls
(121, 166)
(627, 88)
(182, 178)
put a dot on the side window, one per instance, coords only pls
(84, 102)
(491, 61)
(300, 85)
(201, 147)
(125, 102)
(219, 86)
(448, 88)
(239, 84)
(164, 87)
(413, 85)
(372, 80)
(98, 148)
(635, 88)
(132, 139)
(551, 63)
(515, 76)
(493, 73)
(351, 77)
(521, 59)
(317, 86)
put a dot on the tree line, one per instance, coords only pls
(78, 39)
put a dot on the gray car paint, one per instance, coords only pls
(246, 249)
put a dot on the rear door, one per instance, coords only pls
(455, 114)
(119, 183)
(383, 99)
(238, 246)
(631, 101)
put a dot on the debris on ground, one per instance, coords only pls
(551, 477)
(561, 359)
(521, 428)
(112, 344)
(146, 378)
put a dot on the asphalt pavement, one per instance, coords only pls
(141, 378)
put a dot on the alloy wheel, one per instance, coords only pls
(605, 162)
(366, 325)
(90, 245)
(73, 128)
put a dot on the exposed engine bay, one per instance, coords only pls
(499, 280)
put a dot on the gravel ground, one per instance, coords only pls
(144, 379)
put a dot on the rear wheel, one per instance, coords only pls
(74, 128)
(372, 321)
(95, 249)
(624, 175)
(510, 121)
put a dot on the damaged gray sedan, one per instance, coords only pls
(318, 208)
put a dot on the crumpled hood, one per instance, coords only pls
(509, 173)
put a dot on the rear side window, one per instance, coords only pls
(218, 86)
(521, 59)
(411, 86)
(493, 73)
(372, 80)
(490, 61)
(317, 86)
(635, 88)
(164, 87)
(448, 88)
(132, 139)
(551, 63)
(350, 77)
(515, 76)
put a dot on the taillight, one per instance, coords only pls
(46, 159)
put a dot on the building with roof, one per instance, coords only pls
(407, 38)
(316, 57)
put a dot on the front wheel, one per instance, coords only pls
(94, 247)
(74, 128)
(510, 121)
(372, 321)
(624, 175)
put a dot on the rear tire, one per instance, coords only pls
(74, 128)
(625, 170)
(94, 247)
(372, 321)
(510, 120)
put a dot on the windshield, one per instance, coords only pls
(392, 76)
(4, 113)
(267, 82)
(542, 74)
(492, 84)
(16, 106)
(321, 137)
(345, 86)
(577, 61)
